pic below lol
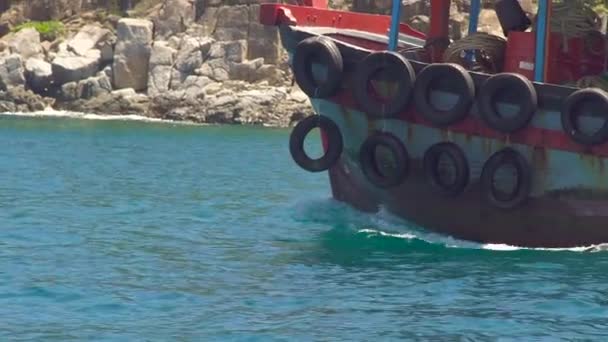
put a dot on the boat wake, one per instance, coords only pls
(384, 225)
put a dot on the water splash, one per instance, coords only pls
(385, 225)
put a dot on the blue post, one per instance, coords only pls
(541, 35)
(395, 19)
(474, 16)
(473, 23)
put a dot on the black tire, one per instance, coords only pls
(325, 50)
(431, 168)
(367, 155)
(589, 97)
(524, 179)
(334, 138)
(394, 64)
(527, 100)
(457, 76)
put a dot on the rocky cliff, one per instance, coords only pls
(199, 60)
(204, 61)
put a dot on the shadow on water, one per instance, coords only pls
(351, 238)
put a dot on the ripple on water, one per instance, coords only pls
(126, 230)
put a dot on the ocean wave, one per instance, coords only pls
(385, 225)
(49, 112)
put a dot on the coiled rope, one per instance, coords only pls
(592, 81)
(576, 19)
(489, 51)
(572, 19)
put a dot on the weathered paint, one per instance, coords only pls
(569, 200)
(557, 169)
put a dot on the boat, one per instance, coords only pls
(509, 149)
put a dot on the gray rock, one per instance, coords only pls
(174, 17)
(7, 106)
(162, 54)
(232, 23)
(233, 102)
(135, 31)
(53, 9)
(69, 91)
(191, 54)
(194, 86)
(174, 42)
(25, 100)
(208, 20)
(132, 54)
(126, 92)
(107, 71)
(272, 74)
(107, 52)
(161, 68)
(176, 79)
(246, 71)
(26, 43)
(89, 37)
(75, 68)
(159, 80)
(262, 40)
(94, 86)
(216, 69)
(12, 72)
(233, 51)
(39, 74)
(236, 51)
(110, 103)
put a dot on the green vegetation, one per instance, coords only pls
(49, 30)
(600, 6)
(114, 7)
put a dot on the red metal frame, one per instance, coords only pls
(280, 14)
(439, 29)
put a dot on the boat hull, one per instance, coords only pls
(568, 201)
(549, 218)
(542, 222)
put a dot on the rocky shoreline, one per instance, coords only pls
(158, 66)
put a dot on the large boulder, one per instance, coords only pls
(161, 66)
(94, 86)
(123, 101)
(174, 17)
(191, 55)
(132, 53)
(232, 102)
(39, 74)
(262, 40)
(75, 68)
(11, 71)
(232, 23)
(26, 43)
(22, 100)
(89, 37)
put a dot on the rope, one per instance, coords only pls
(488, 50)
(572, 18)
(576, 19)
(592, 81)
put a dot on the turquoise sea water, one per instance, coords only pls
(136, 231)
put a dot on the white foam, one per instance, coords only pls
(381, 233)
(387, 221)
(50, 112)
(504, 247)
